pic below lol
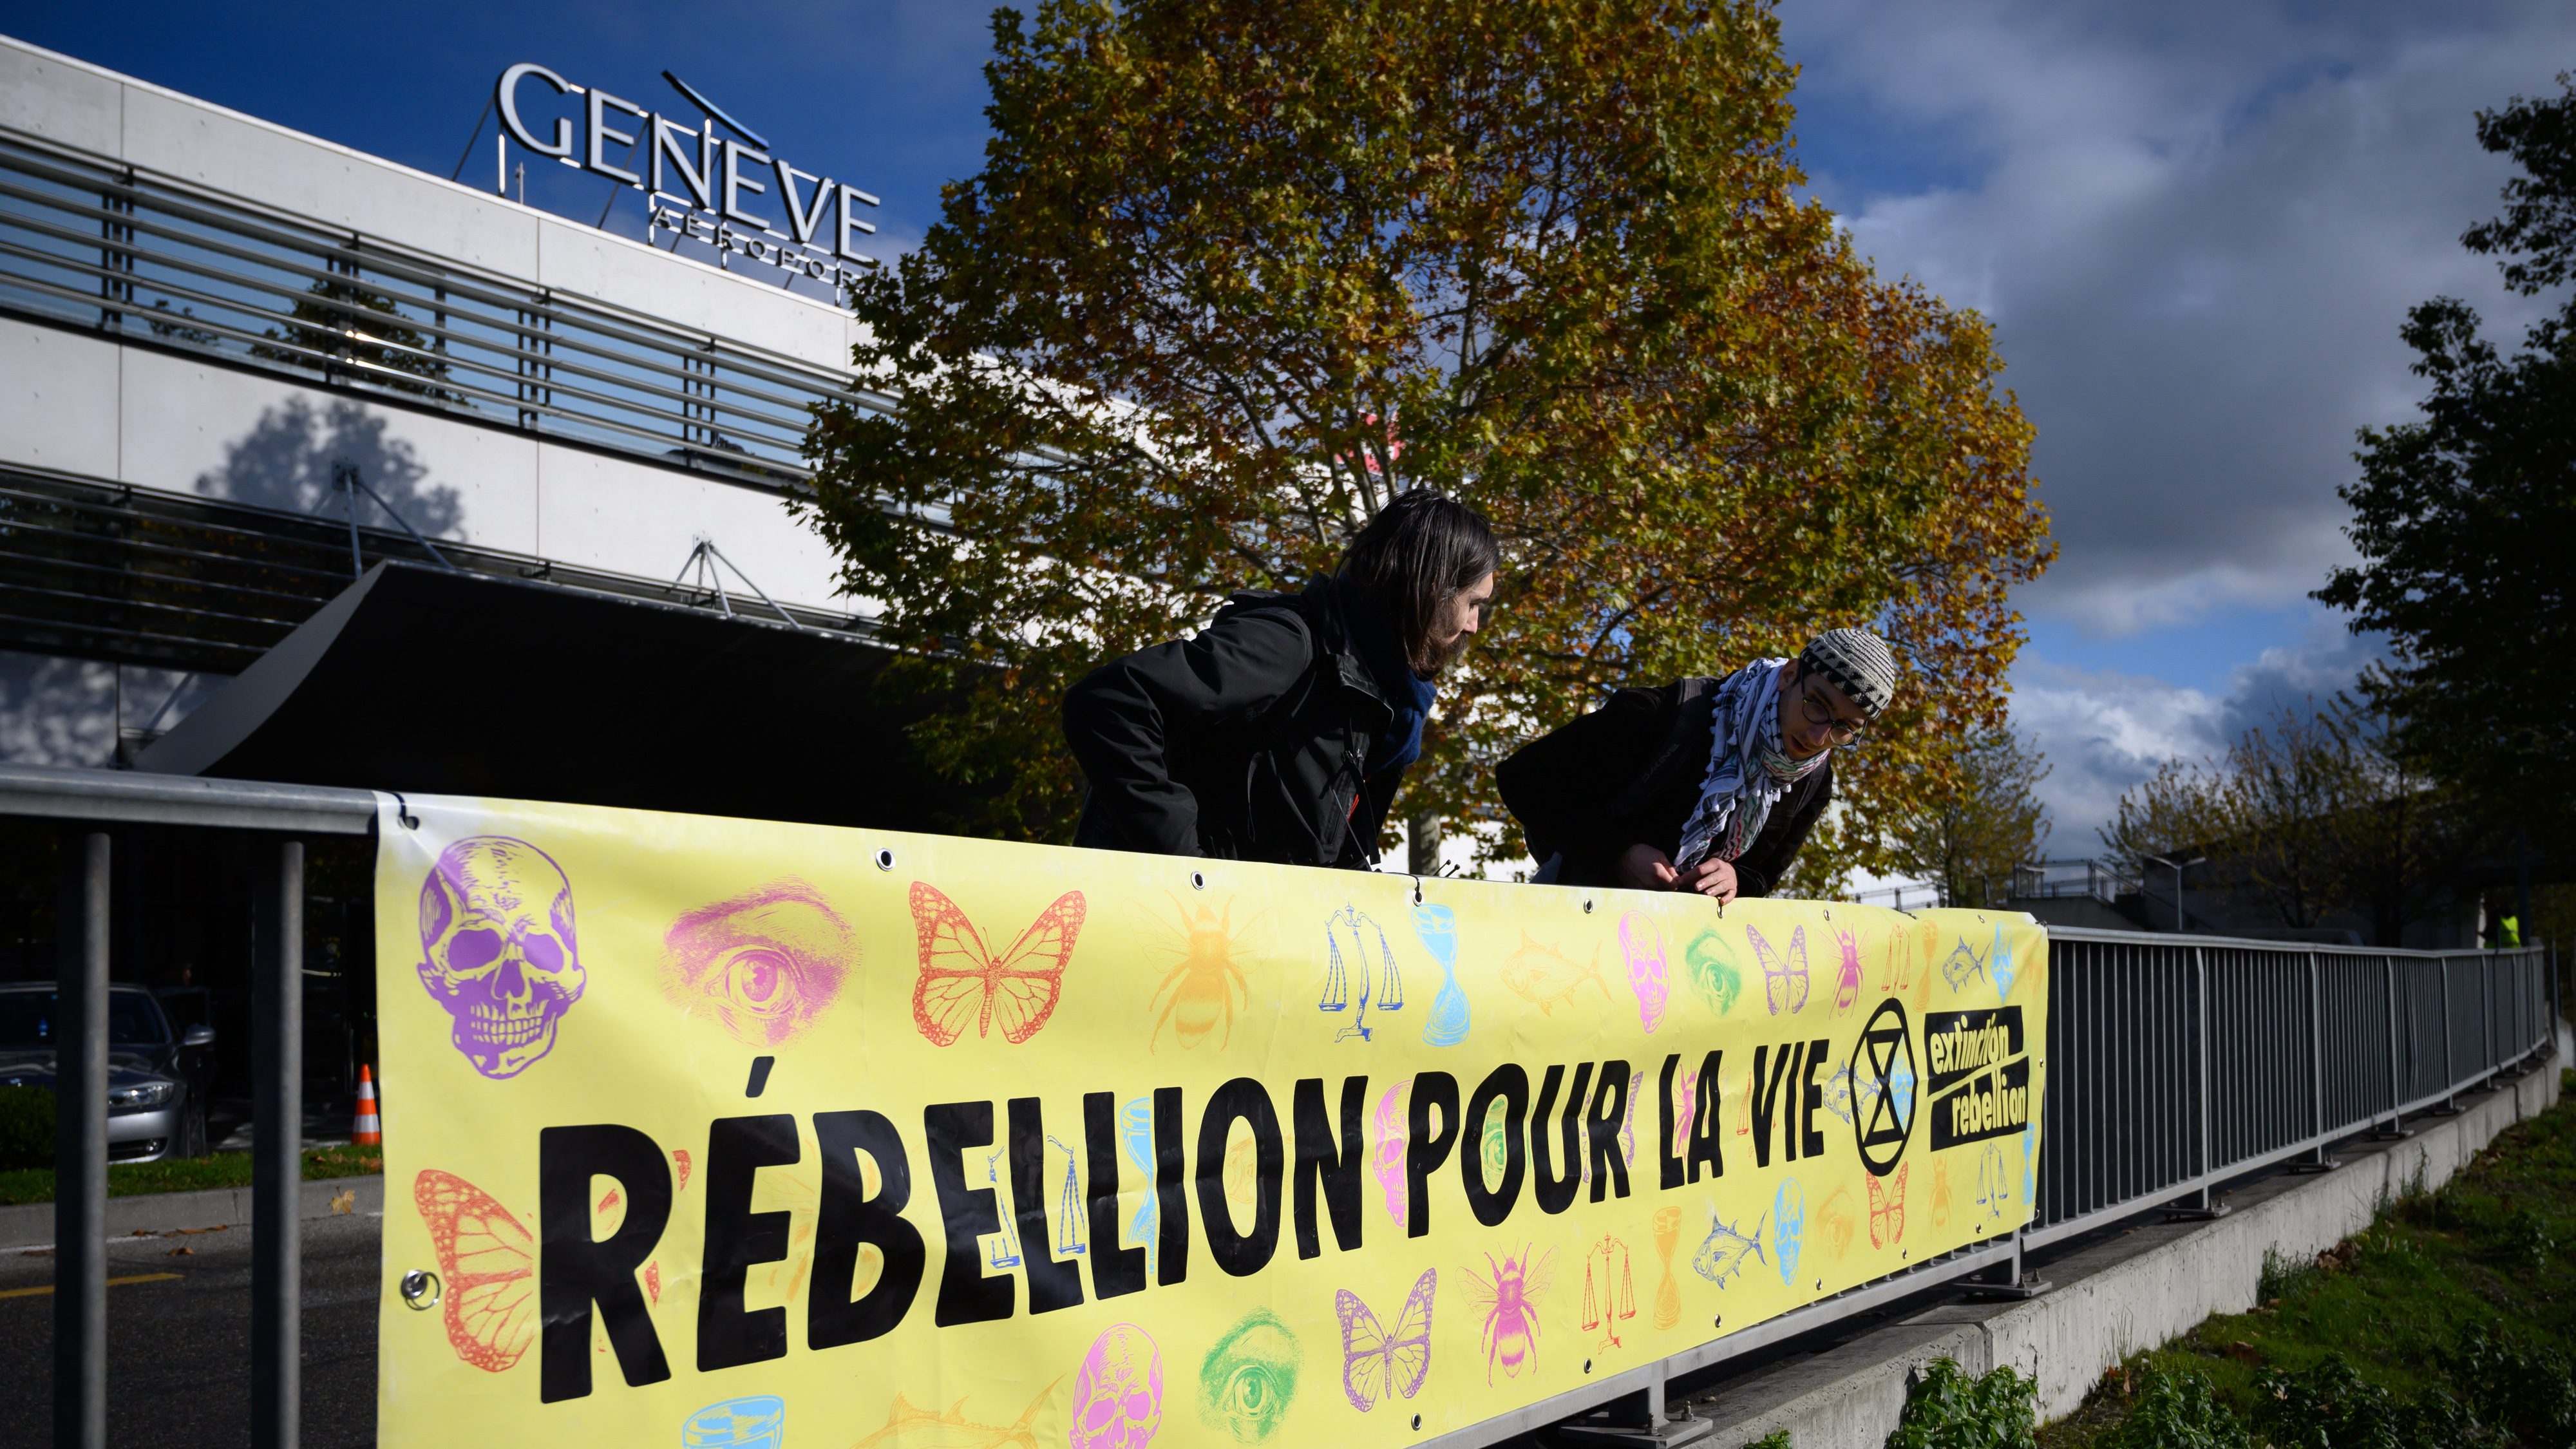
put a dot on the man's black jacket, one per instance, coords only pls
(1629, 773)
(1247, 742)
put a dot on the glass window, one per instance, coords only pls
(133, 1019)
(26, 1018)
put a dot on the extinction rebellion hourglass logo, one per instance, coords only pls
(1882, 1073)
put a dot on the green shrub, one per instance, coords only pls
(1946, 1409)
(2284, 1275)
(2177, 1410)
(2525, 1240)
(2331, 1406)
(2513, 1383)
(26, 1127)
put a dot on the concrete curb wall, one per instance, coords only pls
(31, 1225)
(2144, 1287)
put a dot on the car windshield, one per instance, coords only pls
(27, 1019)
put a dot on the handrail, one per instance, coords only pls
(92, 242)
(123, 797)
(2252, 943)
(2322, 1041)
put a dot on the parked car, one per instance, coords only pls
(157, 1078)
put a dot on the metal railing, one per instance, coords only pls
(92, 243)
(2068, 879)
(2174, 1064)
(2177, 1062)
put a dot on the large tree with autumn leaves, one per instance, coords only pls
(1237, 271)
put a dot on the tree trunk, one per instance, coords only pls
(1422, 852)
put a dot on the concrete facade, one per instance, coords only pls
(85, 404)
(2144, 1287)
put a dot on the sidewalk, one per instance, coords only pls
(31, 1225)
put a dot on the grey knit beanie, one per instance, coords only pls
(1855, 661)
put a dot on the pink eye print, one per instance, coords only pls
(764, 964)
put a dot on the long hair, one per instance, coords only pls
(1419, 552)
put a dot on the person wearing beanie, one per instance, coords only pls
(1706, 785)
(1282, 730)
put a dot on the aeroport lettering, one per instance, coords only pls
(1309, 1168)
(717, 189)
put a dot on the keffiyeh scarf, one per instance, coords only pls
(1748, 772)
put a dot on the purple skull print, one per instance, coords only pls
(498, 950)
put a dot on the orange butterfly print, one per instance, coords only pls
(1887, 1208)
(964, 984)
(489, 1263)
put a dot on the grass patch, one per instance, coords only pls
(188, 1174)
(2447, 1322)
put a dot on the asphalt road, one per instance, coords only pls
(178, 1369)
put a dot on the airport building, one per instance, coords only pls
(240, 365)
(319, 468)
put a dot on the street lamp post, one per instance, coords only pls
(2181, 922)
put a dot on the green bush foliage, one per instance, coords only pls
(2516, 1384)
(2177, 1409)
(2331, 1406)
(1949, 1409)
(26, 1127)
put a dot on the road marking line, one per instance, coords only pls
(112, 1283)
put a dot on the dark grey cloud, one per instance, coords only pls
(2103, 730)
(2197, 230)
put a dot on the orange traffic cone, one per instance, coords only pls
(369, 1130)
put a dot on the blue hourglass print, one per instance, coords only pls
(1437, 926)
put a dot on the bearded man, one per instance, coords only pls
(1706, 785)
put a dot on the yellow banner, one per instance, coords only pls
(709, 1132)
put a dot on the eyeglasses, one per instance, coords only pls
(1817, 711)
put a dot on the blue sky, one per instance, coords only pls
(2195, 224)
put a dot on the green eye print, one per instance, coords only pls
(1713, 972)
(1249, 1378)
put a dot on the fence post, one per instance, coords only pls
(277, 1151)
(2450, 1069)
(2317, 1160)
(2209, 1206)
(2396, 1083)
(2555, 1007)
(80, 1149)
(2486, 1011)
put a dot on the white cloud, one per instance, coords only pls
(2197, 228)
(2104, 731)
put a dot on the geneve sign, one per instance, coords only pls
(718, 190)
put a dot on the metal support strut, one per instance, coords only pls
(1638, 1419)
(80, 1161)
(2317, 1161)
(2208, 1206)
(277, 1151)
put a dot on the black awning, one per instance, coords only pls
(437, 682)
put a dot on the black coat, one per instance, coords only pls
(1247, 742)
(1629, 773)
